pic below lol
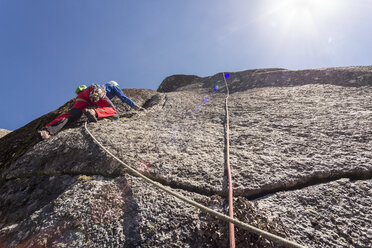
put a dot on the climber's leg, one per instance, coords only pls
(58, 123)
(91, 115)
(106, 108)
(57, 126)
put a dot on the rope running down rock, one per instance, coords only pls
(227, 135)
(203, 208)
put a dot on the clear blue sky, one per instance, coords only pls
(48, 47)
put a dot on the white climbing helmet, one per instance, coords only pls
(113, 83)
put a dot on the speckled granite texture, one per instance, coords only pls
(301, 157)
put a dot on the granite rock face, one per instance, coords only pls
(300, 151)
(4, 132)
(334, 214)
(173, 82)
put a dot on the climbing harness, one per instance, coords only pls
(227, 129)
(203, 208)
(97, 93)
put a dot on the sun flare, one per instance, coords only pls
(300, 16)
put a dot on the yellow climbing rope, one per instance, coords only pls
(223, 217)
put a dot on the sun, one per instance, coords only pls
(297, 32)
(299, 16)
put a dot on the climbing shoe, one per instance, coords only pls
(56, 127)
(90, 114)
(44, 134)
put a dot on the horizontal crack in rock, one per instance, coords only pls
(301, 183)
(249, 194)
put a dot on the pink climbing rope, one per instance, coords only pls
(231, 210)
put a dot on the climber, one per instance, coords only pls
(94, 95)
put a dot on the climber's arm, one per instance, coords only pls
(124, 98)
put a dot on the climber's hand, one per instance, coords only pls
(140, 108)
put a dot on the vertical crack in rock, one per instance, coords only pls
(165, 101)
